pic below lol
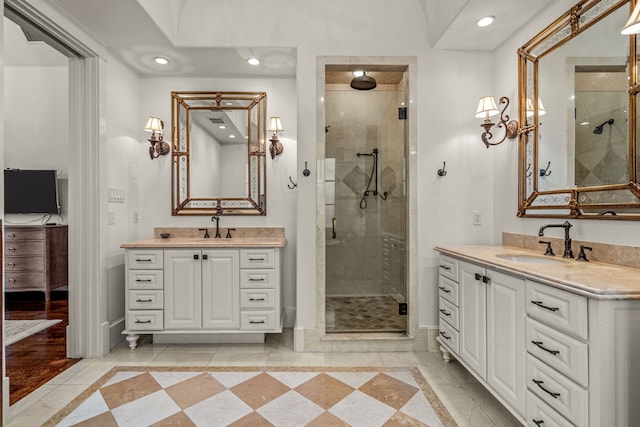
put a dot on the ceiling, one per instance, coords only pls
(135, 31)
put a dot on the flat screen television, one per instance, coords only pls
(31, 191)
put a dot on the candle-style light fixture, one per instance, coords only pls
(275, 126)
(486, 109)
(158, 146)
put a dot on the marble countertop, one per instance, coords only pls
(198, 242)
(593, 279)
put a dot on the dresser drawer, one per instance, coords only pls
(257, 258)
(558, 308)
(449, 313)
(145, 320)
(258, 320)
(559, 392)
(560, 351)
(145, 259)
(539, 414)
(449, 290)
(27, 263)
(141, 300)
(448, 267)
(257, 278)
(257, 298)
(23, 234)
(25, 247)
(17, 280)
(449, 336)
(145, 279)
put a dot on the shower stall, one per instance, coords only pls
(365, 284)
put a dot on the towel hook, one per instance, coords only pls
(292, 185)
(546, 172)
(442, 172)
(306, 171)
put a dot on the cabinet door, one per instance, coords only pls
(182, 289)
(473, 318)
(221, 289)
(506, 339)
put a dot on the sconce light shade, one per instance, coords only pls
(487, 107)
(275, 126)
(633, 24)
(158, 146)
(541, 110)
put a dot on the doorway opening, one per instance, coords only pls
(365, 198)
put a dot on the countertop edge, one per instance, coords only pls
(215, 243)
(574, 287)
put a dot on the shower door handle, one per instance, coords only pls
(333, 226)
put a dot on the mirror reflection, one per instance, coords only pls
(218, 153)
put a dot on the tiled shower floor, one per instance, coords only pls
(363, 314)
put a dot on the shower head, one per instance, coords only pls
(598, 129)
(363, 82)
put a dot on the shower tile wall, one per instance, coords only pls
(360, 121)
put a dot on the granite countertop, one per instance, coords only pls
(187, 237)
(592, 279)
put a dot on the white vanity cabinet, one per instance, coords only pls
(193, 294)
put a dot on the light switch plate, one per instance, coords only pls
(116, 195)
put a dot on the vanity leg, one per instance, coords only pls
(133, 341)
(446, 356)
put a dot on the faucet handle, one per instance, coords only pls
(206, 232)
(229, 230)
(549, 251)
(582, 256)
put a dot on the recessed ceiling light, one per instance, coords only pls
(253, 61)
(486, 21)
(232, 136)
(358, 73)
(161, 60)
(222, 127)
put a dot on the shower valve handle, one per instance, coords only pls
(333, 226)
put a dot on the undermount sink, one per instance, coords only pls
(531, 259)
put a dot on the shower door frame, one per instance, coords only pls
(410, 147)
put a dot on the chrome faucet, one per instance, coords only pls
(216, 218)
(568, 253)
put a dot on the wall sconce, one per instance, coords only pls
(633, 24)
(275, 126)
(158, 146)
(486, 109)
(541, 109)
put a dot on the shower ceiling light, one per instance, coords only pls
(161, 60)
(486, 21)
(253, 61)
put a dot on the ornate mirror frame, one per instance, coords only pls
(611, 201)
(249, 108)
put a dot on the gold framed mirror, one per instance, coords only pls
(218, 161)
(577, 90)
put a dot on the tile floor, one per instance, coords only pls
(467, 401)
(363, 313)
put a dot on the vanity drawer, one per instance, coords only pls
(24, 280)
(449, 313)
(26, 263)
(141, 279)
(448, 290)
(539, 414)
(145, 320)
(257, 278)
(258, 320)
(141, 299)
(560, 351)
(23, 234)
(449, 336)
(25, 247)
(558, 308)
(448, 267)
(559, 392)
(257, 298)
(142, 259)
(257, 258)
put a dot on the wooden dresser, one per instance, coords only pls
(36, 258)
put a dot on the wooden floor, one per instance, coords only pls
(34, 360)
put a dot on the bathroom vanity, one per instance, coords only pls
(556, 340)
(190, 289)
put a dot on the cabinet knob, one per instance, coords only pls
(196, 257)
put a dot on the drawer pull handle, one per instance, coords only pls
(143, 280)
(541, 305)
(142, 321)
(256, 299)
(11, 264)
(444, 267)
(537, 422)
(445, 290)
(251, 279)
(445, 312)
(11, 235)
(539, 344)
(143, 260)
(144, 300)
(256, 259)
(12, 249)
(12, 280)
(539, 384)
(445, 336)
(256, 322)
